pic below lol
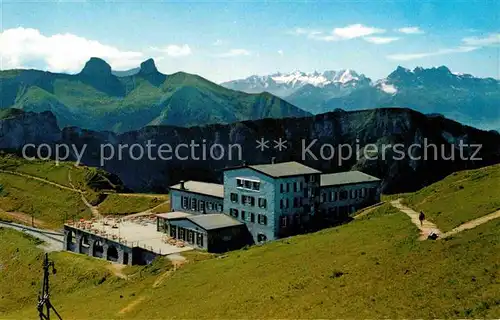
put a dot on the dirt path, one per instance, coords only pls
(140, 195)
(25, 218)
(472, 224)
(55, 184)
(117, 270)
(427, 226)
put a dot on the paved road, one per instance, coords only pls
(53, 240)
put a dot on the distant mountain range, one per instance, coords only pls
(101, 99)
(467, 99)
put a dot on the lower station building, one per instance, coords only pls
(259, 203)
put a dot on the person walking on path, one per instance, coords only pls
(421, 217)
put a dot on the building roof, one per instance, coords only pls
(284, 169)
(209, 189)
(214, 221)
(173, 215)
(348, 177)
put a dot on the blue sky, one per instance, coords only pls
(223, 41)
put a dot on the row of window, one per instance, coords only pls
(248, 216)
(193, 204)
(248, 184)
(345, 194)
(296, 185)
(187, 235)
(249, 200)
(285, 203)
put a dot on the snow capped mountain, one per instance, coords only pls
(285, 84)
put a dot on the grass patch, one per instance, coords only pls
(47, 203)
(460, 197)
(116, 204)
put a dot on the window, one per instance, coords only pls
(185, 202)
(181, 233)
(243, 215)
(239, 183)
(233, 212)
(283, 221)
(363, 192)
(295, 186)
(287, 187)
(336, 197)
(190, 236)
(262, 219)
(282, 188)
(353, 194)
(247, 184)
(173, 231)
(248, 200)
(202, 206)
(199, 239)
(344, 195)
(281, 204)
(323, 197)
(256, 185)
(332, 195)
(301, 186)
(296, 202)
(193, 204)
(252, 217)
(287, 203)
(221, 208)
(261, 237)
(234, 197)
(262, 203)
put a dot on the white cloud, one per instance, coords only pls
(411, 30)
(492, 39)
(337, 34)
(60, 52)
(280, 52)
(381, 40)
(174, 50)
(234, 53)
(440, 52)
(356, 31)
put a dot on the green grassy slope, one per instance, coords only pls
(105, 102)
(460, 197)
(373, 267)
(52, 204)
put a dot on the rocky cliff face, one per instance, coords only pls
(310, 140)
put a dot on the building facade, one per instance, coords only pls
(273, 200)
(197, 197)
(270, 201)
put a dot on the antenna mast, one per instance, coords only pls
(44, 306)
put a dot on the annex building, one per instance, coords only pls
(259, 203)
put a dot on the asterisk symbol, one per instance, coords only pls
(280, 144)
(262, 144)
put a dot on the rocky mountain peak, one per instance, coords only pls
(96, 67)
(148, 67)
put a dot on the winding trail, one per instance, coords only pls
(425, 229)
(472, 224)
(428, 226)
(28, 176)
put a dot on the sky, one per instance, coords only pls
(230, 40)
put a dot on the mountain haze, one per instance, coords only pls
(461, 97)
(98, 99)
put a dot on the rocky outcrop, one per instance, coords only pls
(363, 131)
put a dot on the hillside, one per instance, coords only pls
(53, 194)
(99, 100)
(375, 263)
(357, 129)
